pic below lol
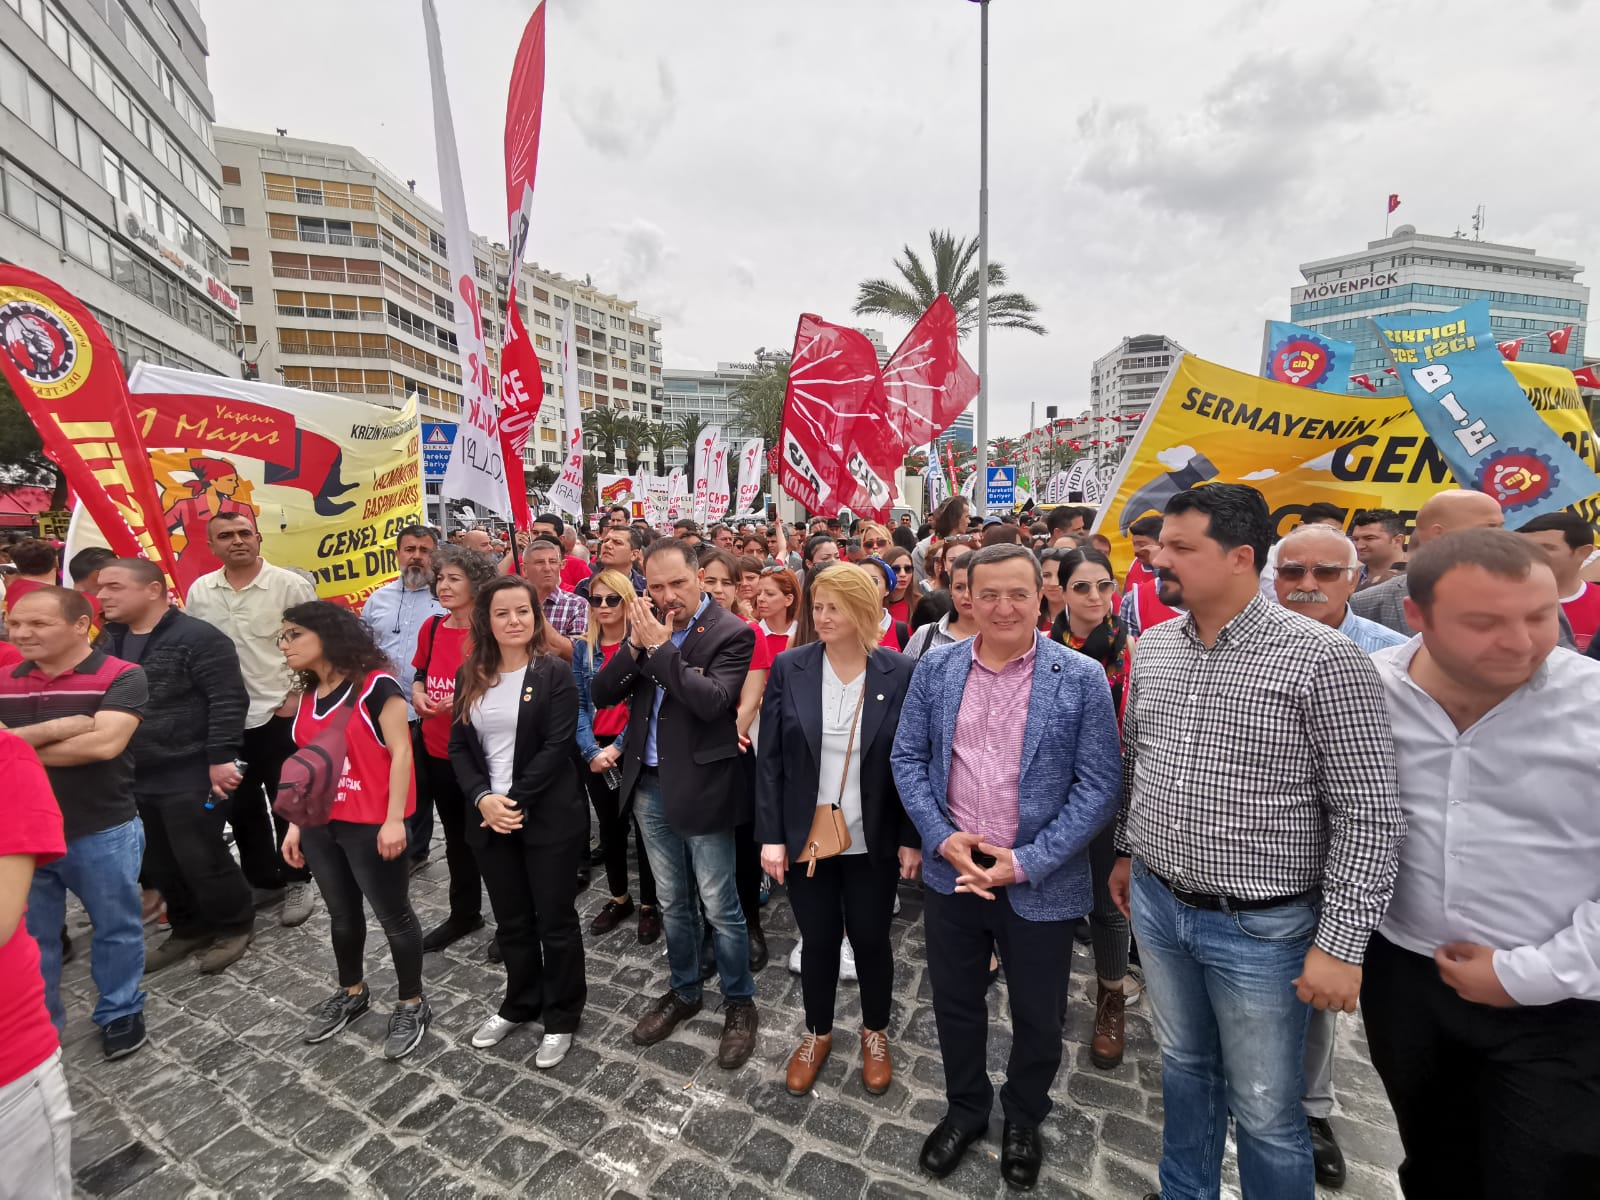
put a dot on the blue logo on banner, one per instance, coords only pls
(1305, 358)
(1478, 416)
(437, 438)
(1002, 487)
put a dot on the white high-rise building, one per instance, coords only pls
(1122, 385)
(110, 182)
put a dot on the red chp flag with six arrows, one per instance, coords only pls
(926, 382)
(839, 449)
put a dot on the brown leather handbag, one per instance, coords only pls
(830, 833)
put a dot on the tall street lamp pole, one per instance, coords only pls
(980, 488)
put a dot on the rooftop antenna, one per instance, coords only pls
(1478, 224)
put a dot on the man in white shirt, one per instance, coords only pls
(1482, 987)
(245, 598)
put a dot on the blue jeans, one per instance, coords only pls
(102, 870)
(709, 860)
(1233, 1037)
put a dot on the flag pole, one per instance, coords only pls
(980, 490)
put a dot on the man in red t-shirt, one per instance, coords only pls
(36, 1134)
(1145, 534)
(1568, 540)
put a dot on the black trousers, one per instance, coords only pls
(419, 825)
(747, 873)
(849, 893)
(536, 918)
(1492, 1103)
(466, 885)
(962, 930)
(257, 830)
(344, 860)
(186, 860)
(614, 827)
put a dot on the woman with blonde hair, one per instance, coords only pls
(600, 734)
(828, 722)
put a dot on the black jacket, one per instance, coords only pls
(195, 717)
(789, 756)
(704, 788)
(544, 783)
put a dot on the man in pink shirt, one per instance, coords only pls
(1006, 810)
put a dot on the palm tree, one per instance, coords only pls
(757, 402)
(637, 433)
(609, 428)
(955, 273)
(682, 433)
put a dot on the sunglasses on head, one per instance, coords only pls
(773, 570)
(1083, 586)
(1322, 572)
(611, 601)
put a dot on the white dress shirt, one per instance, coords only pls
(252, 617)
(395, 614)
(841, 715)
(1502, 827)
(494, 717)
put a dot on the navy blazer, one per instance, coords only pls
(544, 783)
(1070, 784)
(789, 756)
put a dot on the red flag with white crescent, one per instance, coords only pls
(1588, 377)
(1364, 381)
(1509, 350)
(1559, 339)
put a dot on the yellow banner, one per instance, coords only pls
(1298, 447)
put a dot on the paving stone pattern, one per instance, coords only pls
(225, 1101)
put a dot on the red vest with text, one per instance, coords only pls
(1148, 607)
(363, 797)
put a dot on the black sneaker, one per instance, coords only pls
(123, 1036)
(1326, 1156)
(334, 1013)
(407, 1024)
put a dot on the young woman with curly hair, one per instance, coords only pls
(359, 854)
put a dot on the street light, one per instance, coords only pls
(980, 490)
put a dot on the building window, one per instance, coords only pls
(238, 254)
(247, 295)
(230, 175)
(232, 216)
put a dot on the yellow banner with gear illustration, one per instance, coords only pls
(1300, 447)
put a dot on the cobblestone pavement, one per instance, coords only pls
(225, 1100)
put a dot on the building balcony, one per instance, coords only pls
(324, 238)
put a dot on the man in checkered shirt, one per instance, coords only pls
(1261, 816)
(566, 616)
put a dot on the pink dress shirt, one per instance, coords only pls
(986, 751)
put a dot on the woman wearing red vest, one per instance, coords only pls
(358, 854)
(513, 745)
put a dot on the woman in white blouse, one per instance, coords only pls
(827, 724)
(513, 746)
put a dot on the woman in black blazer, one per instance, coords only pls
(511, 744)
(827, 724)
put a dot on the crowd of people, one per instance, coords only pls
(1268, 780)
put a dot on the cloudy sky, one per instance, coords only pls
(732, 163)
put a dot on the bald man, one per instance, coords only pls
(1444, 512)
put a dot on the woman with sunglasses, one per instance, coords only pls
(1089, 625)
(959, 624)
(357, 858)
(893, 634)
(777, 605)
(901, 594)
(512, 744)
(458, 574)
(874, 539)
(600, 734)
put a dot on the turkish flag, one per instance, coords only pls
(926, 381)
(1559, 339)
(1588, 377)
(1394, 201)
(1365, 381)
(1391, 371)
(1510, 350)
(839, 449)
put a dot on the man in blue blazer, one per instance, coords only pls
(1008, 762)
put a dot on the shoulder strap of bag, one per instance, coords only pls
(433, 637)
(849, 747)
(902, 633)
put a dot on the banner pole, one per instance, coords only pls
(980, 491)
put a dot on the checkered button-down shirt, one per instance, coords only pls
(1262, 767)
(568, 614)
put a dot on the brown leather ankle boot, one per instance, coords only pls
(1105, 1048)
(806, 1061)
(876, 1068)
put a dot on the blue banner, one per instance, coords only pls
(1478, 416)
(1302, 357)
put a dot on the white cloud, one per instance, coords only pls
(1265, 473)
(1176, 458)
(1323, 462)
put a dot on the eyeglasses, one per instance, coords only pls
(1104, 586)
(773, 570)
(288, 635)
(1322, 572)
(876, 543)
(611, 601)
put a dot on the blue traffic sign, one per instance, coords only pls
(1002, 487)
(437, 438)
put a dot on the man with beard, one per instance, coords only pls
(395, 613)
(1260, 828)
(1317, 571)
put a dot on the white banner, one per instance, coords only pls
(566, 493)
(750, 474)
(705, 455)
(658, 491)
(476, 471)
(678, 505)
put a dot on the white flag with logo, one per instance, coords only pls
(705, 453)
(718, 496)
(749, 475)
(476, 471)
(678, 505)
(566, 493)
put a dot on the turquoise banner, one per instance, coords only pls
(1302, 357)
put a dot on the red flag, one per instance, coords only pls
(839, 450)
(1588, 377)
(1394, 201)
(1559, 338)
(68, 379)
(1391, 371)
(1510, 350)
(521, 382)
(926, 381)
(1365, 381)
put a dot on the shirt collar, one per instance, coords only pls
(1023, 661)
(87, 667)
(1239, 626)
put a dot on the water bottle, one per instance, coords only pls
(240, 766)
(613, 778)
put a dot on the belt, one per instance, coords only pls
(1215, 903)
(647, 769)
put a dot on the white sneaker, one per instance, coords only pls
(794, 957)
(552, 1049)
(493, 1031)
(298, 901)
(847, 963)
(1132, 985)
